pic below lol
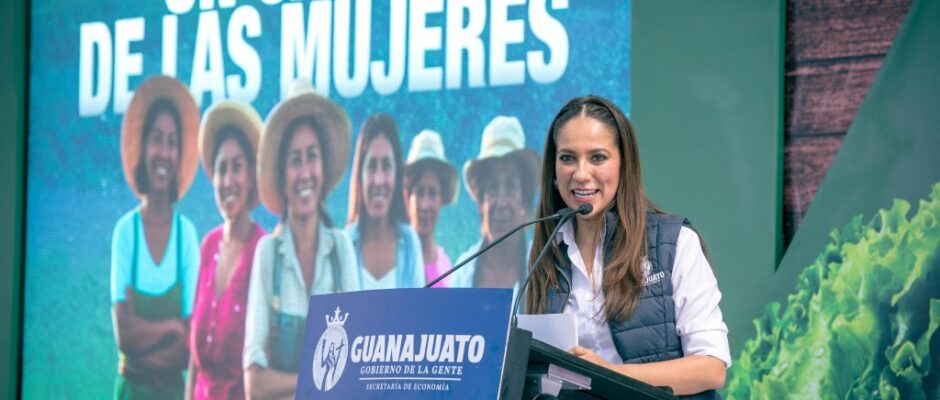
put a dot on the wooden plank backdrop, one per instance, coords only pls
(833, 52)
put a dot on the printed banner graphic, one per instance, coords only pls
(194, 166)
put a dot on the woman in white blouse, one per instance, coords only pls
(637, 279)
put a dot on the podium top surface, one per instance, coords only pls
(604, 382)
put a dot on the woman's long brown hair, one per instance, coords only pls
(623, 272)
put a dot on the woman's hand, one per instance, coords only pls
(136, 336)
(686, 375)
(588, 355)
(175, 355)
(174, 329)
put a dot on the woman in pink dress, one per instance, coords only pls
(430, 183)
(228, 144)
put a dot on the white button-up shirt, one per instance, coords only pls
(699, 322)
(294, 296)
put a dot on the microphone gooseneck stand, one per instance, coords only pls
(584, 209)
(563, 213)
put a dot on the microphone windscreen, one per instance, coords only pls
(585, 209)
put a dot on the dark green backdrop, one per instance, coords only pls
(12, 135)
(709, 75)
(702, 71)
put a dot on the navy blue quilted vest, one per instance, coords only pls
(650, 333)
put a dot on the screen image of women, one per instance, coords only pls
(155, 249)
(387, 248)
(636, 278)
(430, 183)
(501, 180)
(303, 153)
(228, 144)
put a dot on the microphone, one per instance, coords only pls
(583, 209)
(564, 213)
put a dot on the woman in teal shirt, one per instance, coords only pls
(154, 249)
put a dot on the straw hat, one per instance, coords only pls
(503, 139)
(427, 151)
(228, 113)
(334, 140)
(132, 129)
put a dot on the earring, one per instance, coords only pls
(555, 182)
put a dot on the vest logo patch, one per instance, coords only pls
(653, 278)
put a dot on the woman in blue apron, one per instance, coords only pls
(637, 279)
(387, 247)
(302, 155)
(154, 249)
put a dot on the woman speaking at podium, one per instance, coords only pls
(637, 279)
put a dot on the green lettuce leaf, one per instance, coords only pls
(862, 321)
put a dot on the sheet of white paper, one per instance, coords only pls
(559, 330)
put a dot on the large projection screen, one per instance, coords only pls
(448, 67)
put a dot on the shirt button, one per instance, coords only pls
(213, 303)
(238, 308)
(209, 338)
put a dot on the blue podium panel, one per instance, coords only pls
(405, 344)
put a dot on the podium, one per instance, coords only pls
(441, 343)
(553, 372)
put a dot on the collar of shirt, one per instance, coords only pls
(566, 235)
(325, 242)
(592, 282)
